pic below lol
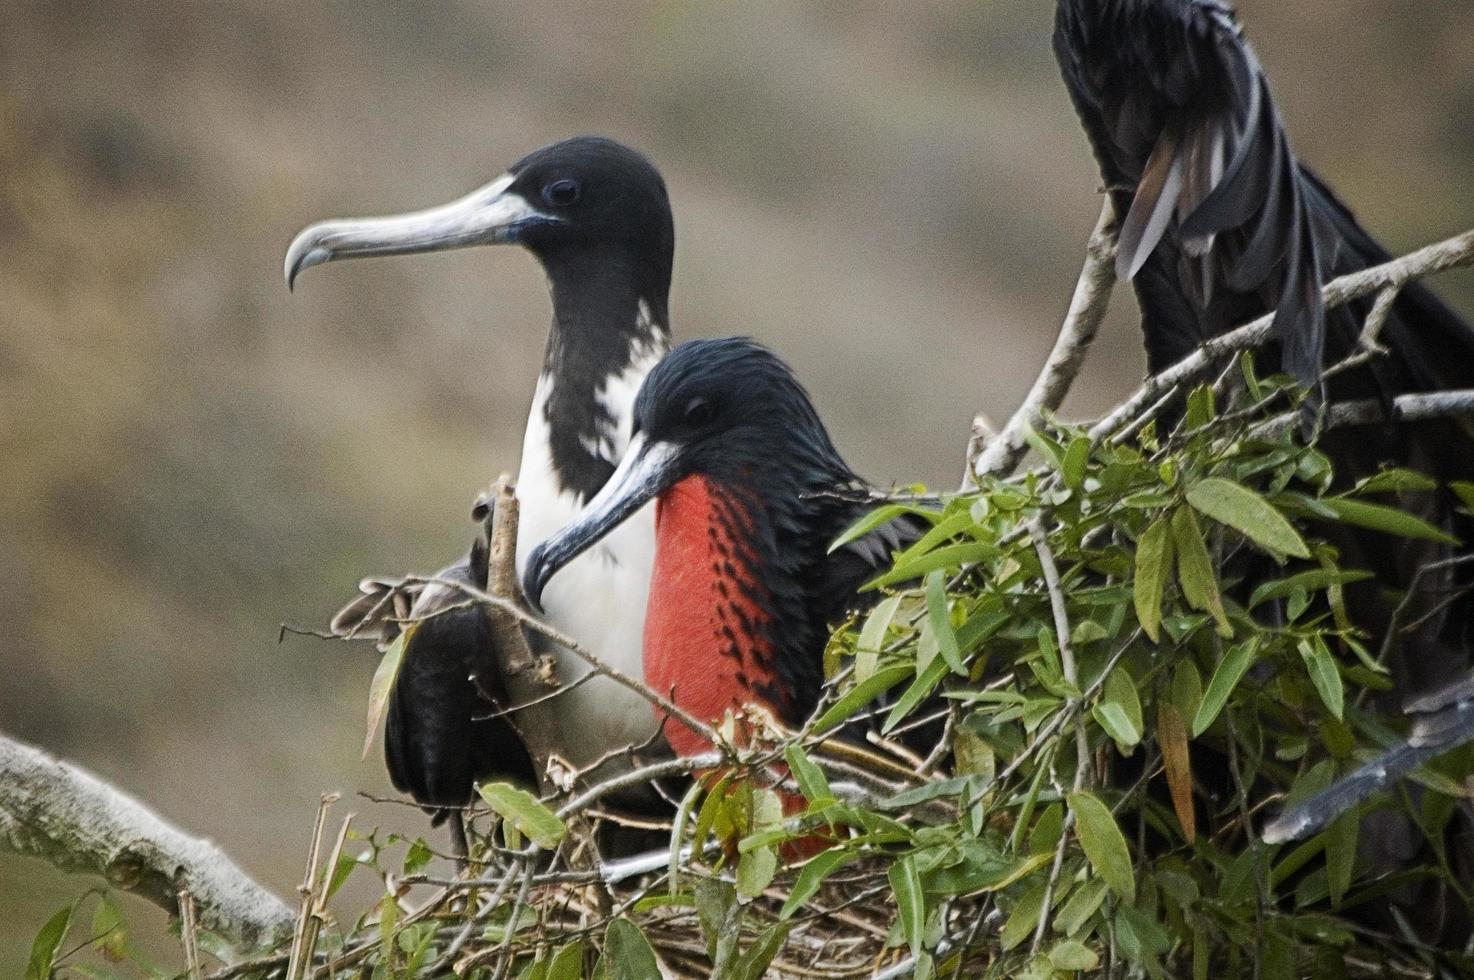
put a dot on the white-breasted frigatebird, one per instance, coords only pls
(597, 217)
(749, 492)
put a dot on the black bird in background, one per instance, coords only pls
(442, 732)
(750, 493)
(1220, 224)
(597, 217)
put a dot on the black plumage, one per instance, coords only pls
(1223, 224)
(443, 731)
(1220, 224)
(732, 412)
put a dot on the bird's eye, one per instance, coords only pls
(699, 412)
(561, 193)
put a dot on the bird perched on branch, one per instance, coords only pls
(442, 732)
(749, 492)
(597, 217)
(1220, 223)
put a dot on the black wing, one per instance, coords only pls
(1444, 720)
(439, 736)
(1222, 223)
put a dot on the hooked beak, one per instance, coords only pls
(647, 470)
(491, 215)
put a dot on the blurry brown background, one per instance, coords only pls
(894, 195)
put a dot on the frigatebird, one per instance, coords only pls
(597, 217)
(443, 731)
(750, 492)
(1221, 223)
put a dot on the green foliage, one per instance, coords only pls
(1113, 744)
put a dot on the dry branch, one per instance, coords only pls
(1451, 253)
(1087, 310)
(62, 814)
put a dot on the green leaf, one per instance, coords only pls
(47, 944)
(952, 556)
(1081, 906)
(383, 683)
(810, 778)
(1076, 458)
(1465, 491)
(418, 857)
(567, 963)
(941, 622)
(919, 690)
(109, 937)
(1341, 853)
(525, 812)
(1314, 580)
(627, 953)
(1153, 560)
(755, 871)
(1247, 513)
(1195, 569)
(874, 519)
(1105, 846)
(753, 964)
(910, 902)
(716, 909)
(1071, 955)
(872, 637)
(677, 829)
(811, 876)
(1023, 918)
(862, 694)
(1321, 666)
(1231, 670)
(1388, 520)
(1119, 709)
(1396, 480)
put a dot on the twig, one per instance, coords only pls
(305, 937)
(1448, 254)
(189, 935)
(578, 650)
(1456, 404)
(1087, 310)
(62, 814)
(1082, 742)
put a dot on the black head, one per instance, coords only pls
(729, 410)
(581, 201)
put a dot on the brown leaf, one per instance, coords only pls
(1172, 739)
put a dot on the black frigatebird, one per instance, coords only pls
(597, 217)
(442, 731)
(749, 493)
(1221, 224)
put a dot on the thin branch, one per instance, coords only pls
(1451, 253)
(62, 814)
(577, 649)
(1456, 404)
(1087, 310)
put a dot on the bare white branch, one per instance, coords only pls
(1451, 253)
(62, 814)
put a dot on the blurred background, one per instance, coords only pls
(894, 195)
